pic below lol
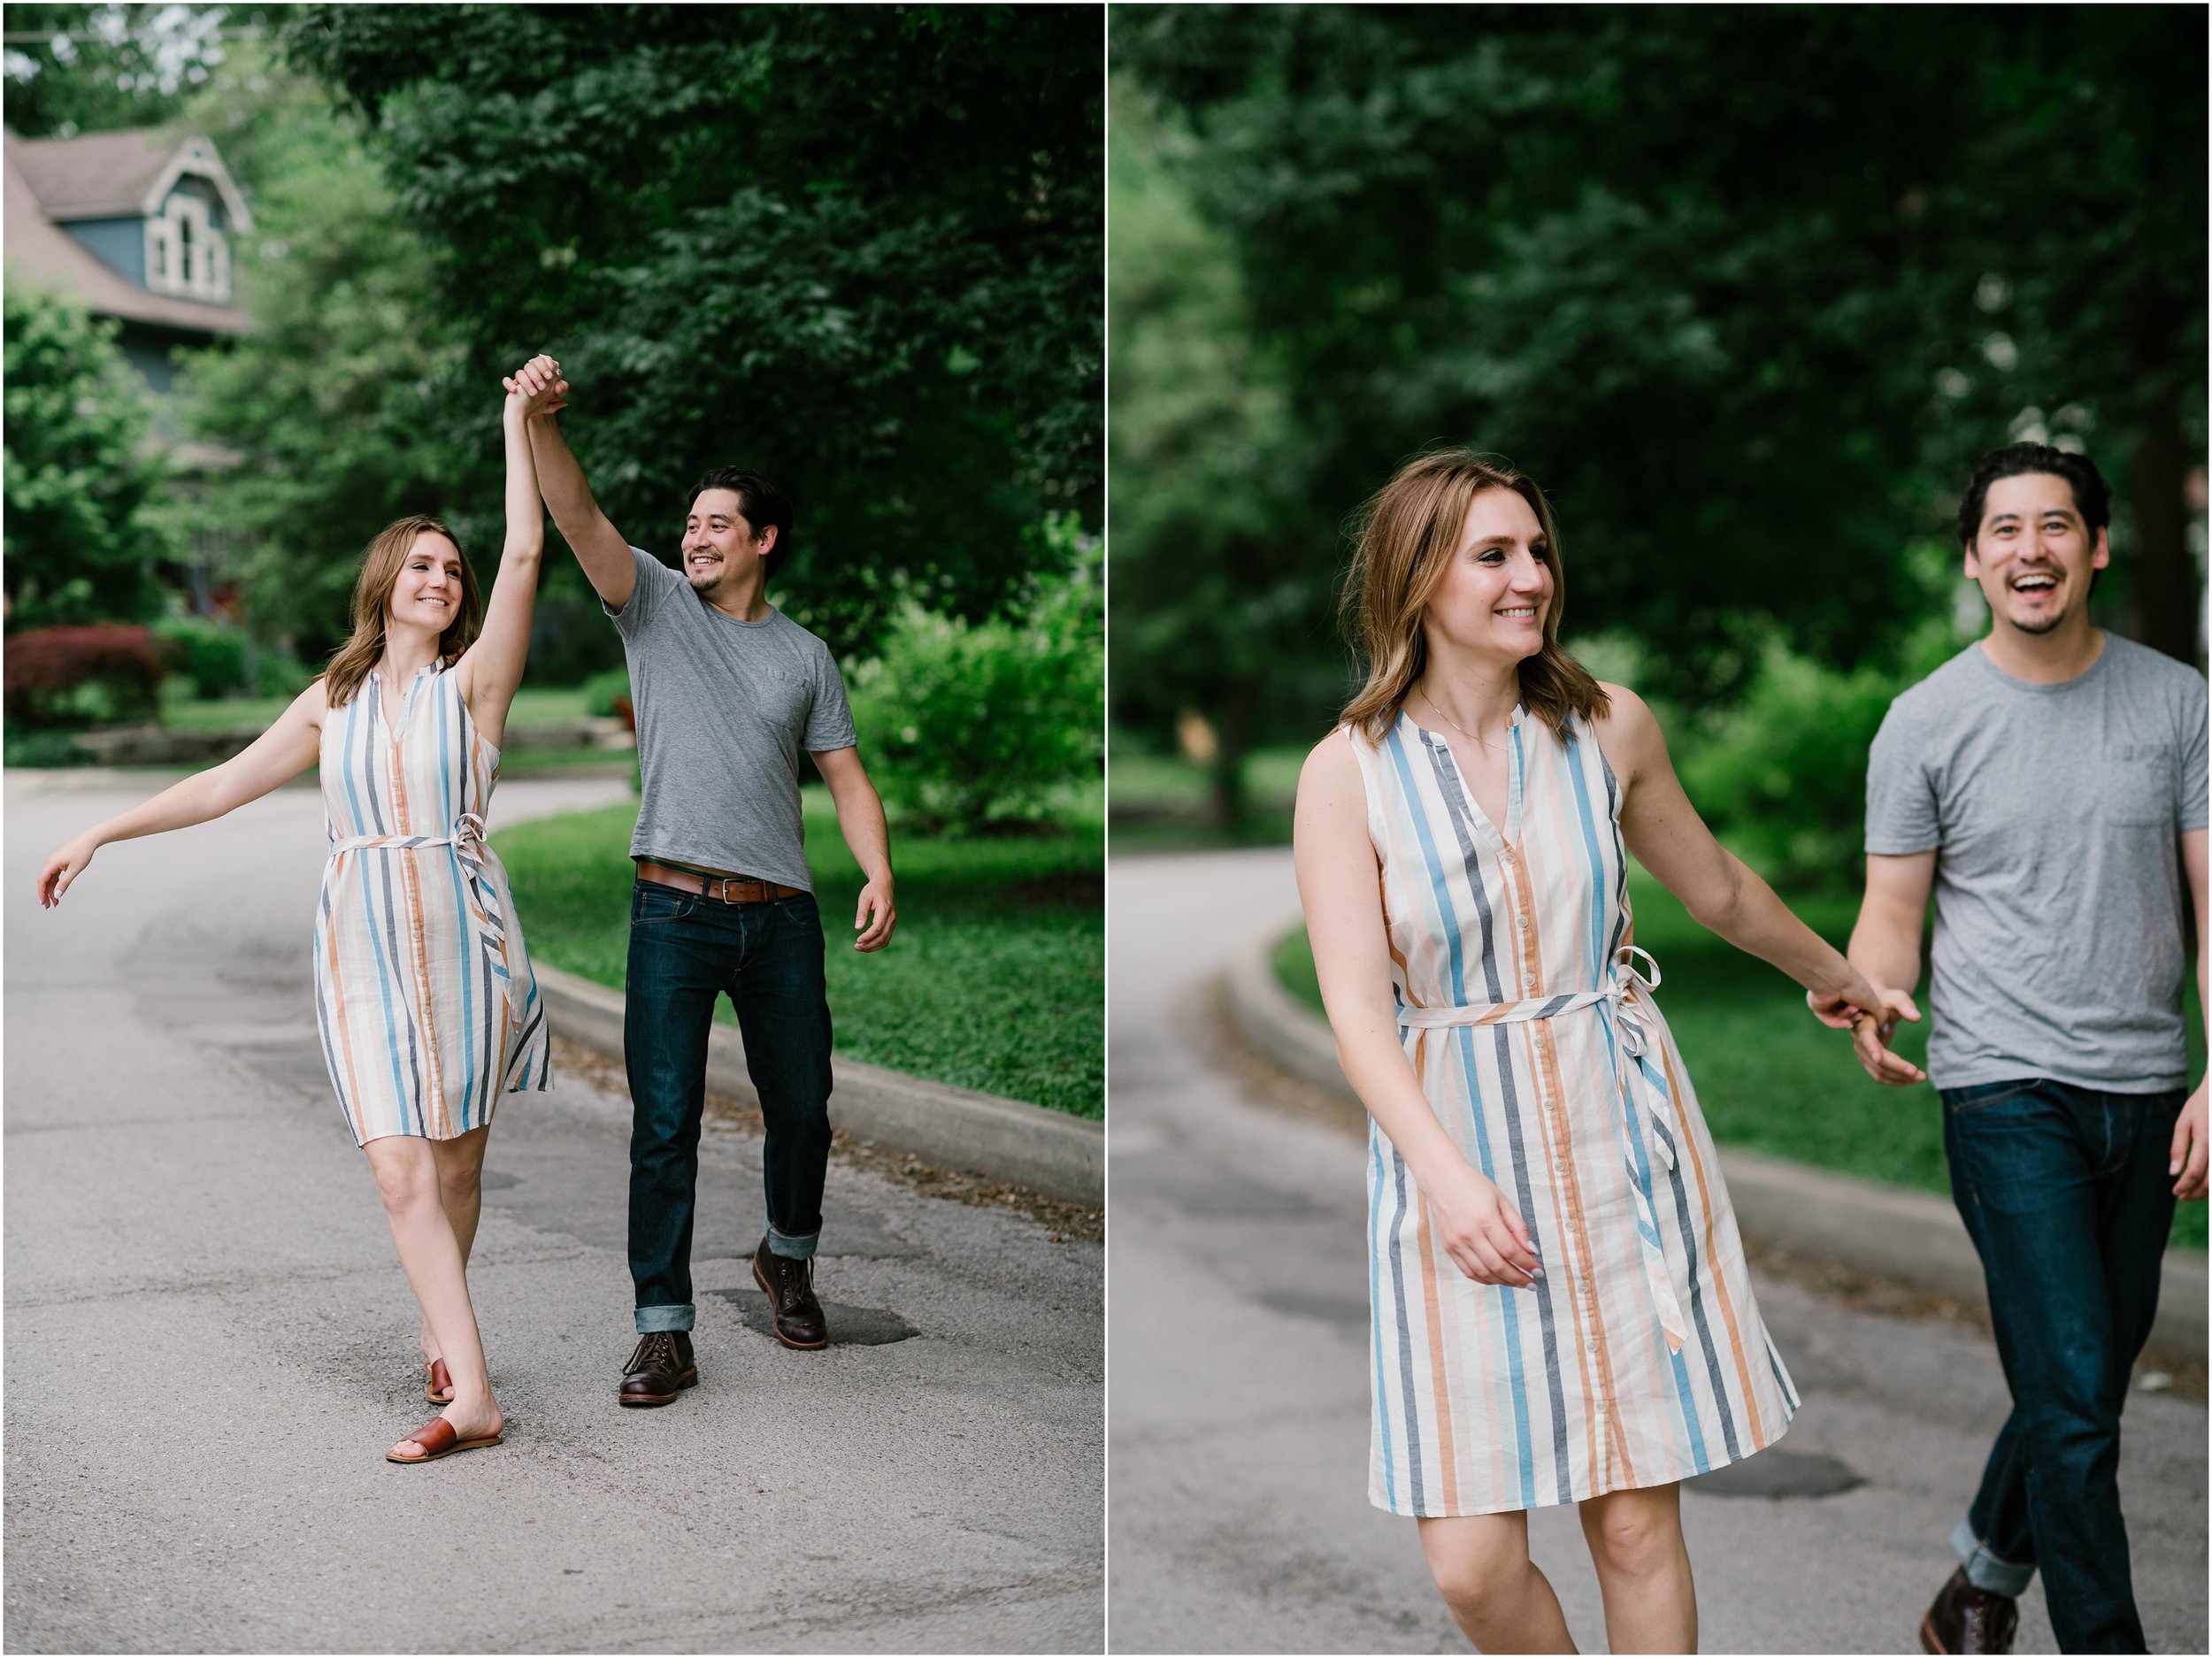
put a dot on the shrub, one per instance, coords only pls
(83, 676)
(42, 749)
(1782, 774)
(211, 654)
(277, 672)
(608, 693)
(969, 726)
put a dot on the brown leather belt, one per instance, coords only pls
(730, 889)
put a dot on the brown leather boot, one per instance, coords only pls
(1965, 1619)
(789, 1285)
(659, 1369)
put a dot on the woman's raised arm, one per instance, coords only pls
(276, 756)
(492, 667)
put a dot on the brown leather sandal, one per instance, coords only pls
(438, 1437)
(437, 1382)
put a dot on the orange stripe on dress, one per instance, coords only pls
(345, 1039)
(1570, 1232)
(1544, 1058)
(1426, 1250)
(437, 1114)
(1712, 1260)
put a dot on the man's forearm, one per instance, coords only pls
(1887, 952)
(867, 835)
(560, 479)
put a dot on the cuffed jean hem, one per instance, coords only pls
(1984, 1569)
(679, 1317)
(792, 1248)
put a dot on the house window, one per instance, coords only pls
(186, 255)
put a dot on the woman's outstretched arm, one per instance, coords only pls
(1338, 881)
(1668, 838)
(491, 669)
(276, 756)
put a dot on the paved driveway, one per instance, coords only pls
(209, 1342)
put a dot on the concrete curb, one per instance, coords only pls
(1909, 1237)
(1048, 1152)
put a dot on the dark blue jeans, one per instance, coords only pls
(685, 950)
(2065, 1192)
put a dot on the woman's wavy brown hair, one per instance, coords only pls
(381, 566)
(1403, 539)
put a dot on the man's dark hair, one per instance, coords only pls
(760, 501)
(2092, 496)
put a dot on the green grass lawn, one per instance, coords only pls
(1770, 1078)
(534, 705)
(995, 979)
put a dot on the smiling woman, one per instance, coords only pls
(1561, 1308)
(425, 1001)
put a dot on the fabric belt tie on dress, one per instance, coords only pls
(467, 842)
(1643, 1082)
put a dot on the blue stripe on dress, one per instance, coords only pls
(1599, 874)
(1375, 1303)
(1405, 1341)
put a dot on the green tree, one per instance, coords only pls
(345, 400)
(858, 248)
(1220, 557)
(84, 531)
(1748, 287)
(95, 68)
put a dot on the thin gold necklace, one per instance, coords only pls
(1448, 721)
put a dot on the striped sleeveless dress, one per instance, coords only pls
(426, 1004)
(1639, 1357)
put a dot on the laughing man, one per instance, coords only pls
(2048, 785)
(728, 691)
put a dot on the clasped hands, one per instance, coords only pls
(1870, 1014)
(539, 386)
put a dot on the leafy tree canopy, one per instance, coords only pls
(345, 401)
(95, 68)
(856, 247)
(1748, 287)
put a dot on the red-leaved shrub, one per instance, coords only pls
(50, 673)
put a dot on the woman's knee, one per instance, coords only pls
(460, 1180)
(1632, 1536)
(406, 1176)
(1475, 1570)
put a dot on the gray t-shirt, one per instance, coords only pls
(2054, 811)
(723, 708)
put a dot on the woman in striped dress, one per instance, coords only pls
(426, 1004)
(1561, 1310)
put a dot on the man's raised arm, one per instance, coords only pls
(598, 546)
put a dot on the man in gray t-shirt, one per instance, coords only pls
(729, 692)
(2048, 786)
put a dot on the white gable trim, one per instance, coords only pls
(197, 156)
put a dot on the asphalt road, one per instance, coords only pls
(209, 1343)
(1237, 1333)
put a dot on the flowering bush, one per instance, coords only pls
(84, 676)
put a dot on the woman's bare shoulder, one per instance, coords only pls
(1627, 731)
(313, 703)
(1331, 761)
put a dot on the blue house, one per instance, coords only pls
(135, 225)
